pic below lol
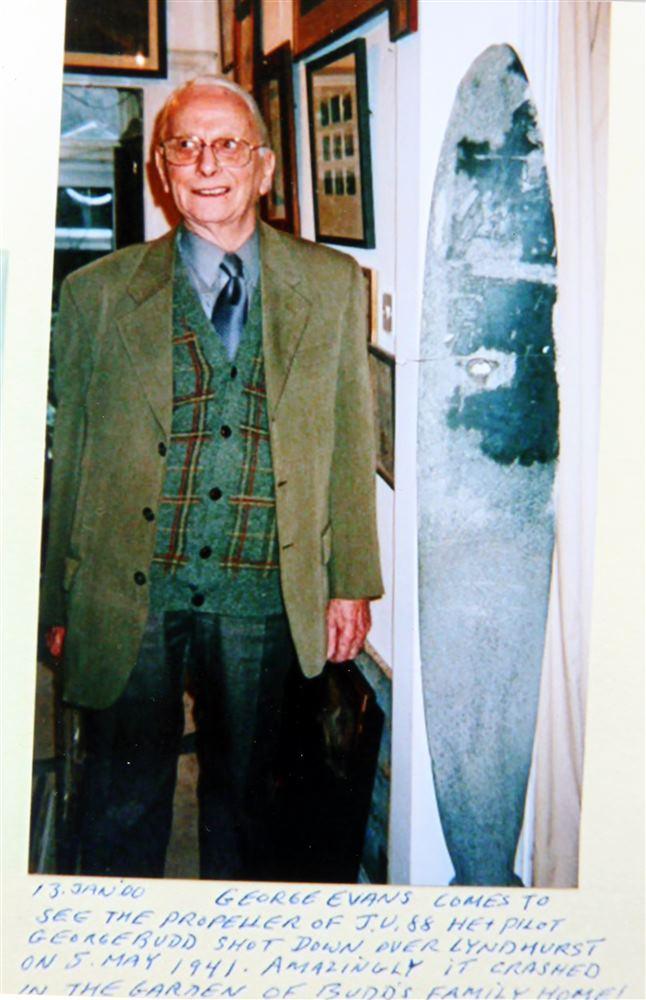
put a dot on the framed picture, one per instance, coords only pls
(276, 100)
(370, 277)
(227, 13)
(382, 376)
(246, 42)
(337, 91)
(123, 37)
(317, 22)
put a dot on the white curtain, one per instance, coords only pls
(579, 188)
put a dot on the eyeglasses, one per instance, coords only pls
(182, 150)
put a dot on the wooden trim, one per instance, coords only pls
(388, 360)
(328, 19)
(277, 65)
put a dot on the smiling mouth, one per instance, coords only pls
(214, 192)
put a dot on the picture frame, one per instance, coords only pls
(337, 93)
(137, 49)
(318, 22)
(382, 377)
(276, 100)
(227, 15)
(372, 315)
(246, 43)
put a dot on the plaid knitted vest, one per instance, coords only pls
(216, 544)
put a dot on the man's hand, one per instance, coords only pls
(347, 627)
(55, 641)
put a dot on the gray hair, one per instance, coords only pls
(222, 83)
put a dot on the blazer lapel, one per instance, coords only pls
(285, 310)
(146, 327)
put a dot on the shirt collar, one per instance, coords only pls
(205, 257)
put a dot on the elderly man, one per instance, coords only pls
(212, 514)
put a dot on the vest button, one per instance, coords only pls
(161, 448)
(234, 371)
(206, 551)
(148, 514)
(197, 600)
(140, 578)
(215, 493)
(225, 431)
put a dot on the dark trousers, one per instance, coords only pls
(236, 669)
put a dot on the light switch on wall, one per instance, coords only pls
(387, 312)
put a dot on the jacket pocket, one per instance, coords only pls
(69, 571)
(326, 544)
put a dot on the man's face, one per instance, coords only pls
(216, 202)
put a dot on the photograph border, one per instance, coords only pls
(609, 900)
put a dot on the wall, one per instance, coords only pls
(276, 23)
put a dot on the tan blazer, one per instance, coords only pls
(114, 386)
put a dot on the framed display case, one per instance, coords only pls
(337, 90)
